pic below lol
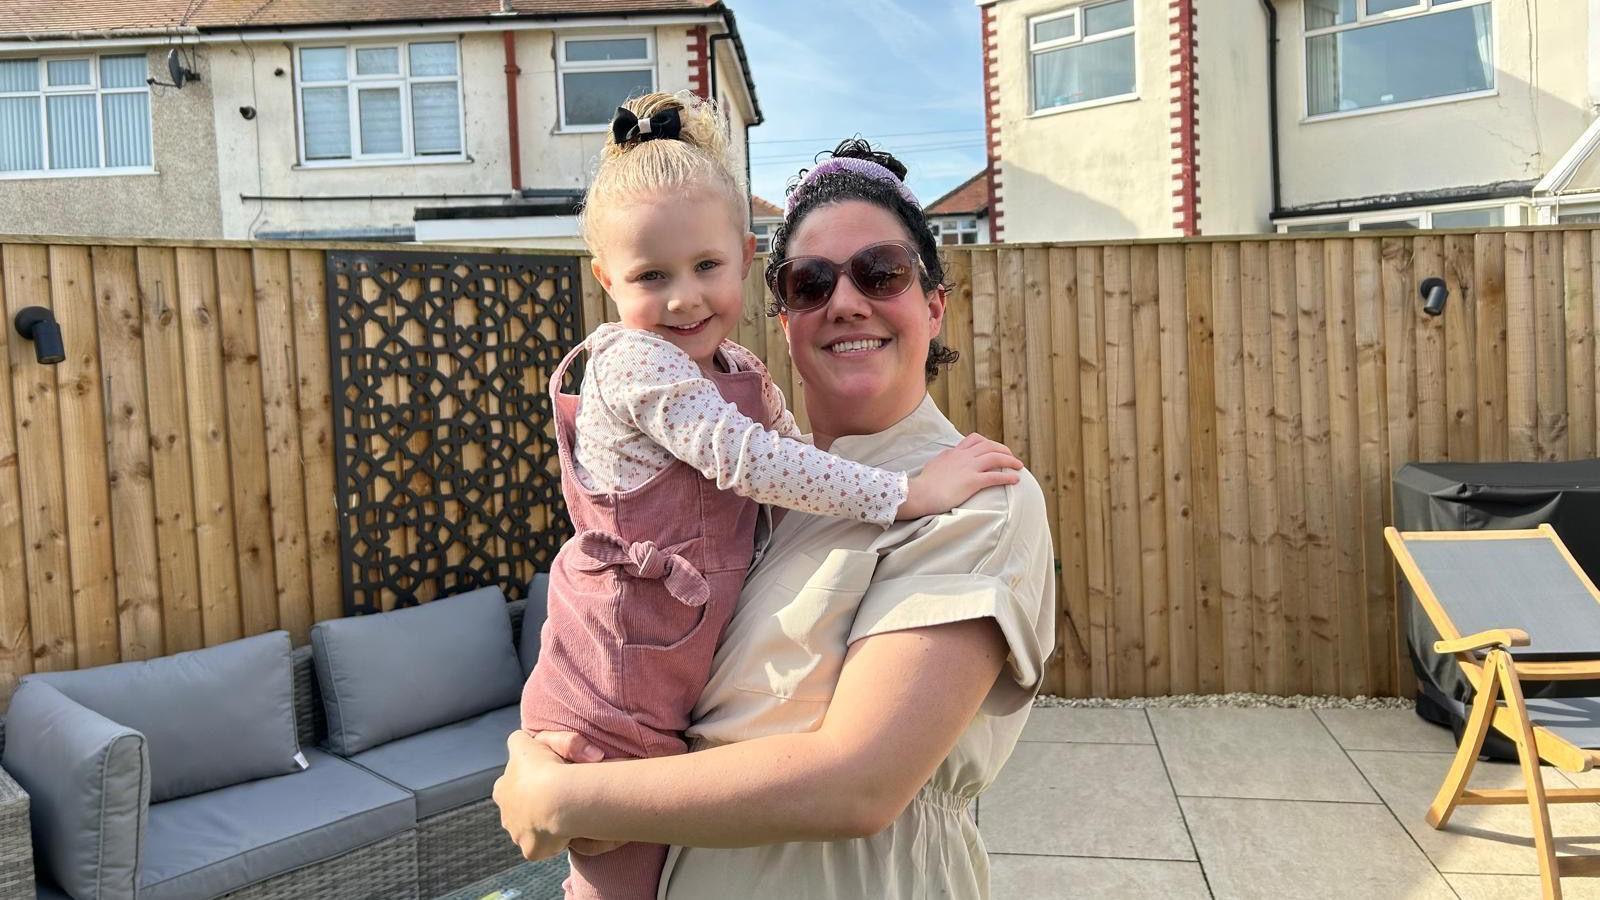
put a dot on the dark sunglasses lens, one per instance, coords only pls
(883, 271)
(805, 284)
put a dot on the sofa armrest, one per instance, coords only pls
(16, 841)
(88, 781)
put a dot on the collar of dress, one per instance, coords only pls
(925, 425)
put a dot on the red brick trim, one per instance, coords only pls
(991, 122)
(699, 63)
(1185, 124)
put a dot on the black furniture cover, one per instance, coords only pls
(1471, 496)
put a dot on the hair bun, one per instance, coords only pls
(858, 148)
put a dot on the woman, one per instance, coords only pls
(872, 682)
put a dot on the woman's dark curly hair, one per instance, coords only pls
(838, 187)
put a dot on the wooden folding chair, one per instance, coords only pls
(1514, 606)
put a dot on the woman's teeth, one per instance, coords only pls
(852, 346)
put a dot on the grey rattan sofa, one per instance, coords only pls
(439, 829)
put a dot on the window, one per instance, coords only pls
(74, 115)
(382, 102)
(1400, 220)
(954, 231)
(1369, 54)
(1081, 55)
(763, 233)
(596, 74)
(1579, 215)
(1486, 217)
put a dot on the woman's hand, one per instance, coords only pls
(524, 794)
(573, 747)
(952, 477)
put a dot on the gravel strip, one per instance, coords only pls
(1235, 700)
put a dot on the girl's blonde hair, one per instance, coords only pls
(698, 157)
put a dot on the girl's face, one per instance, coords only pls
(675, 266)
(862, 360)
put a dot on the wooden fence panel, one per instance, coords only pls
(1215, 425)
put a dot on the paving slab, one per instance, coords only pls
(1479, 839)
(1500, 887)
(1088, 726)
(1062, 799)
(1386, 729)
(1018, 877)
(1271, 849)
(1264, 754)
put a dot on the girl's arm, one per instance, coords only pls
(656, 388)
(902, 701)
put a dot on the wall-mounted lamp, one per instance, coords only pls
(38, 324)
(1434, 294)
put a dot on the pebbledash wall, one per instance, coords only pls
(551, 158)
(1541, 104)
(1118, 169)
(208, 156)
(179, 199)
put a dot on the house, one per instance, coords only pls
(1153, 118)
(962, 215)
(765, 217)
(440, 120)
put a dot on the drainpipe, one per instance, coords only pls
(513, 128)
(1272, 102)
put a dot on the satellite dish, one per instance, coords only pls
(179, 73)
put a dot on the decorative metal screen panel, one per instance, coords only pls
(448, 475)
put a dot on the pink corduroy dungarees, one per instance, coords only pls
(639, 598)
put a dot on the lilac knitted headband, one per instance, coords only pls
(863, 167)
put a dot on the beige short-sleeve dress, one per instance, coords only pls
(824, 584)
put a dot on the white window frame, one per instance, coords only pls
(93, 88)
(1364, 20)
(960, 226)
(355, 83)
(763, 232)
(1423, 216)
(648, 63)
(1078, 37)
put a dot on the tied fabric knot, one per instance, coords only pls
(625, 126)
(643, 559)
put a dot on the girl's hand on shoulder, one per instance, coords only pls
(524, 793)
(952, 477)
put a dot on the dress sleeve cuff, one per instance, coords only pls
(922, 601)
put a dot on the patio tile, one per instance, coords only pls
(1479, 839)
(1084, 800)
(1499, 887)
(1088, 726)
(1266, 754)
(1282, 849)
(1386, 729)
(1076, 876)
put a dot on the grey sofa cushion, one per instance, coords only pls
(89, 781)
(389, 675)
(450, 766)
(213, 717)
(538, 610)
(212, 843)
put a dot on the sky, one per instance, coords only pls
(905, 74)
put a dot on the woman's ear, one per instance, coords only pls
(936, 309)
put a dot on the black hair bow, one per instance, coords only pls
(625, 126)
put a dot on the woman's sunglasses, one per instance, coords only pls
(879, 271)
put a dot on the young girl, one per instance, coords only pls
(676, 436)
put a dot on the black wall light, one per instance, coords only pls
(1434, 294)
(37, 324)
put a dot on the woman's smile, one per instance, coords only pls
(856, 345)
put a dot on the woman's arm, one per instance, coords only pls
(902, 701)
